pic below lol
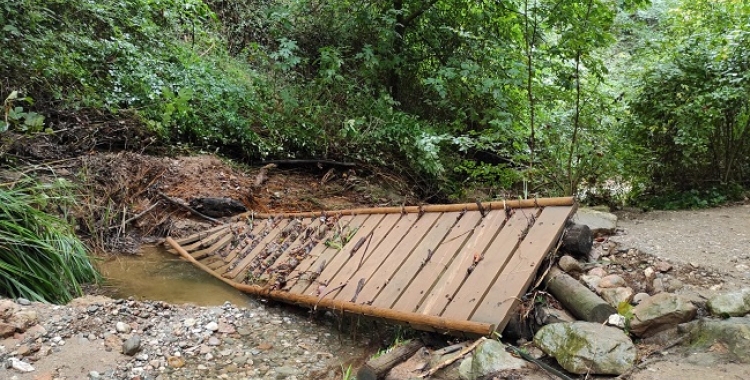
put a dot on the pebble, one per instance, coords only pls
(212, 326)
(123, 327)
(94, 375)
(23, 301)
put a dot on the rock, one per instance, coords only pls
(649, 273)
(94, 375)
(112, 342)
(20, 365)
(616, 296)
(23, 301)
(616, 320)
(176, 361)
(658, 285)
(661, 312)
(662, 266)
(23, 319)
(674, 285)
(189, 322)
(640, 297)
(547, 315)
(735, 304)
(587, 348)
(612, 281)
(592, 282)
(132, 345)
(214, 341)
(570, 265)
(600, 223)
(36, 331)
(45, 376)
(6, 330)
(123, 327)
(490, 357)
(741, 267)
(8, 308)
(212, 326)
(597, 272)
(732, 335)
(226, 328)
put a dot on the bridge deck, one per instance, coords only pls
(454, 268)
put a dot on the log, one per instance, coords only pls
(578, 240)
(217, 207)
(577, 298)
(377, 368)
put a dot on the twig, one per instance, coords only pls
(360, 285)
(327, 293)
(362, 259)
(541, 364)
(186, 207)
(452, 360)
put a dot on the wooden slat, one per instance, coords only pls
(454, 275)
(208, 240)
(386, 230)
(386, 271)
(200, 235)
(385, 249)
(300, 278)
(503, 296)
(270, 237)
(299, 242)
(420, 288)
(345, 259)
(221, 243)
(489, 268)
(416, 260)
(255, 233)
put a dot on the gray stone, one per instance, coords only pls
(547, 315)
(570, 265)
(640, 297)
(735, 304)
(592, 282)
(286, 371)
(490, 357)
(732, 333)
(598, 272)
(23, 301)
(612, 281)
(212, 326)
(123, 327)
(601, 223)
(132, 345)
(616, 296)
(661, 312)
(587, 348)
(94, 375)
(214, 341)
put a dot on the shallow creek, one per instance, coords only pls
(160, 276)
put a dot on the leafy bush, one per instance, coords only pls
(40, 257)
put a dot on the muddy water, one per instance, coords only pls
(160, 276)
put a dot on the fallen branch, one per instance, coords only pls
(377, 368)
(309, 162)
(452, 360)
(327, 293)
(186, 207)
(136, 217)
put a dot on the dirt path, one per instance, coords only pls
(717, 239)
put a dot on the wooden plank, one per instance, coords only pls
(221, 243)
(346, 259)
(396, 258)
(384, 250)
(200, 235)
(415, 260)
(309, 226)
(502, 297)
(208, 240)
(369, 246)
(247, 244)
(245, 261)
(485, 272)
(454, 275)
(441, 259)
(302, 276)
(274, 248)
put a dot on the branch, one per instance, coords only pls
(137, 216)
(452, 360)
(408, 20)
(309, 162)
(186, 207)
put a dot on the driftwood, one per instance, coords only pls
(182, 204)
(578, 239)
(377, 368)
(217, 207)
(453, 359)
(577, 298)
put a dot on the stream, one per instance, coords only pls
(158, 275)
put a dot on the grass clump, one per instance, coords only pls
(40, 256)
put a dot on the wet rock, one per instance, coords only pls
(661, 312)
(570, 265)
(132, 345)
(735, 304)
(616, 296)
(600, 223)
(612, 281)
(490, 357)
(731, 335)
(587, 348)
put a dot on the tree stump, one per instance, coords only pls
(377, 368)
(578, 239)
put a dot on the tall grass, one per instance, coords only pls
(40, 256)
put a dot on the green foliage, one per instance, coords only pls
(40, 257)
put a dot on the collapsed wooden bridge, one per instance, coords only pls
(451, 268)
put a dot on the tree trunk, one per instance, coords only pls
(377, 368)
(577, 298)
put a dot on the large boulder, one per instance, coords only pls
(730, 335)
(489, 358)
(587, 348)
(600, 223)
(734, 304)
(660, 312)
